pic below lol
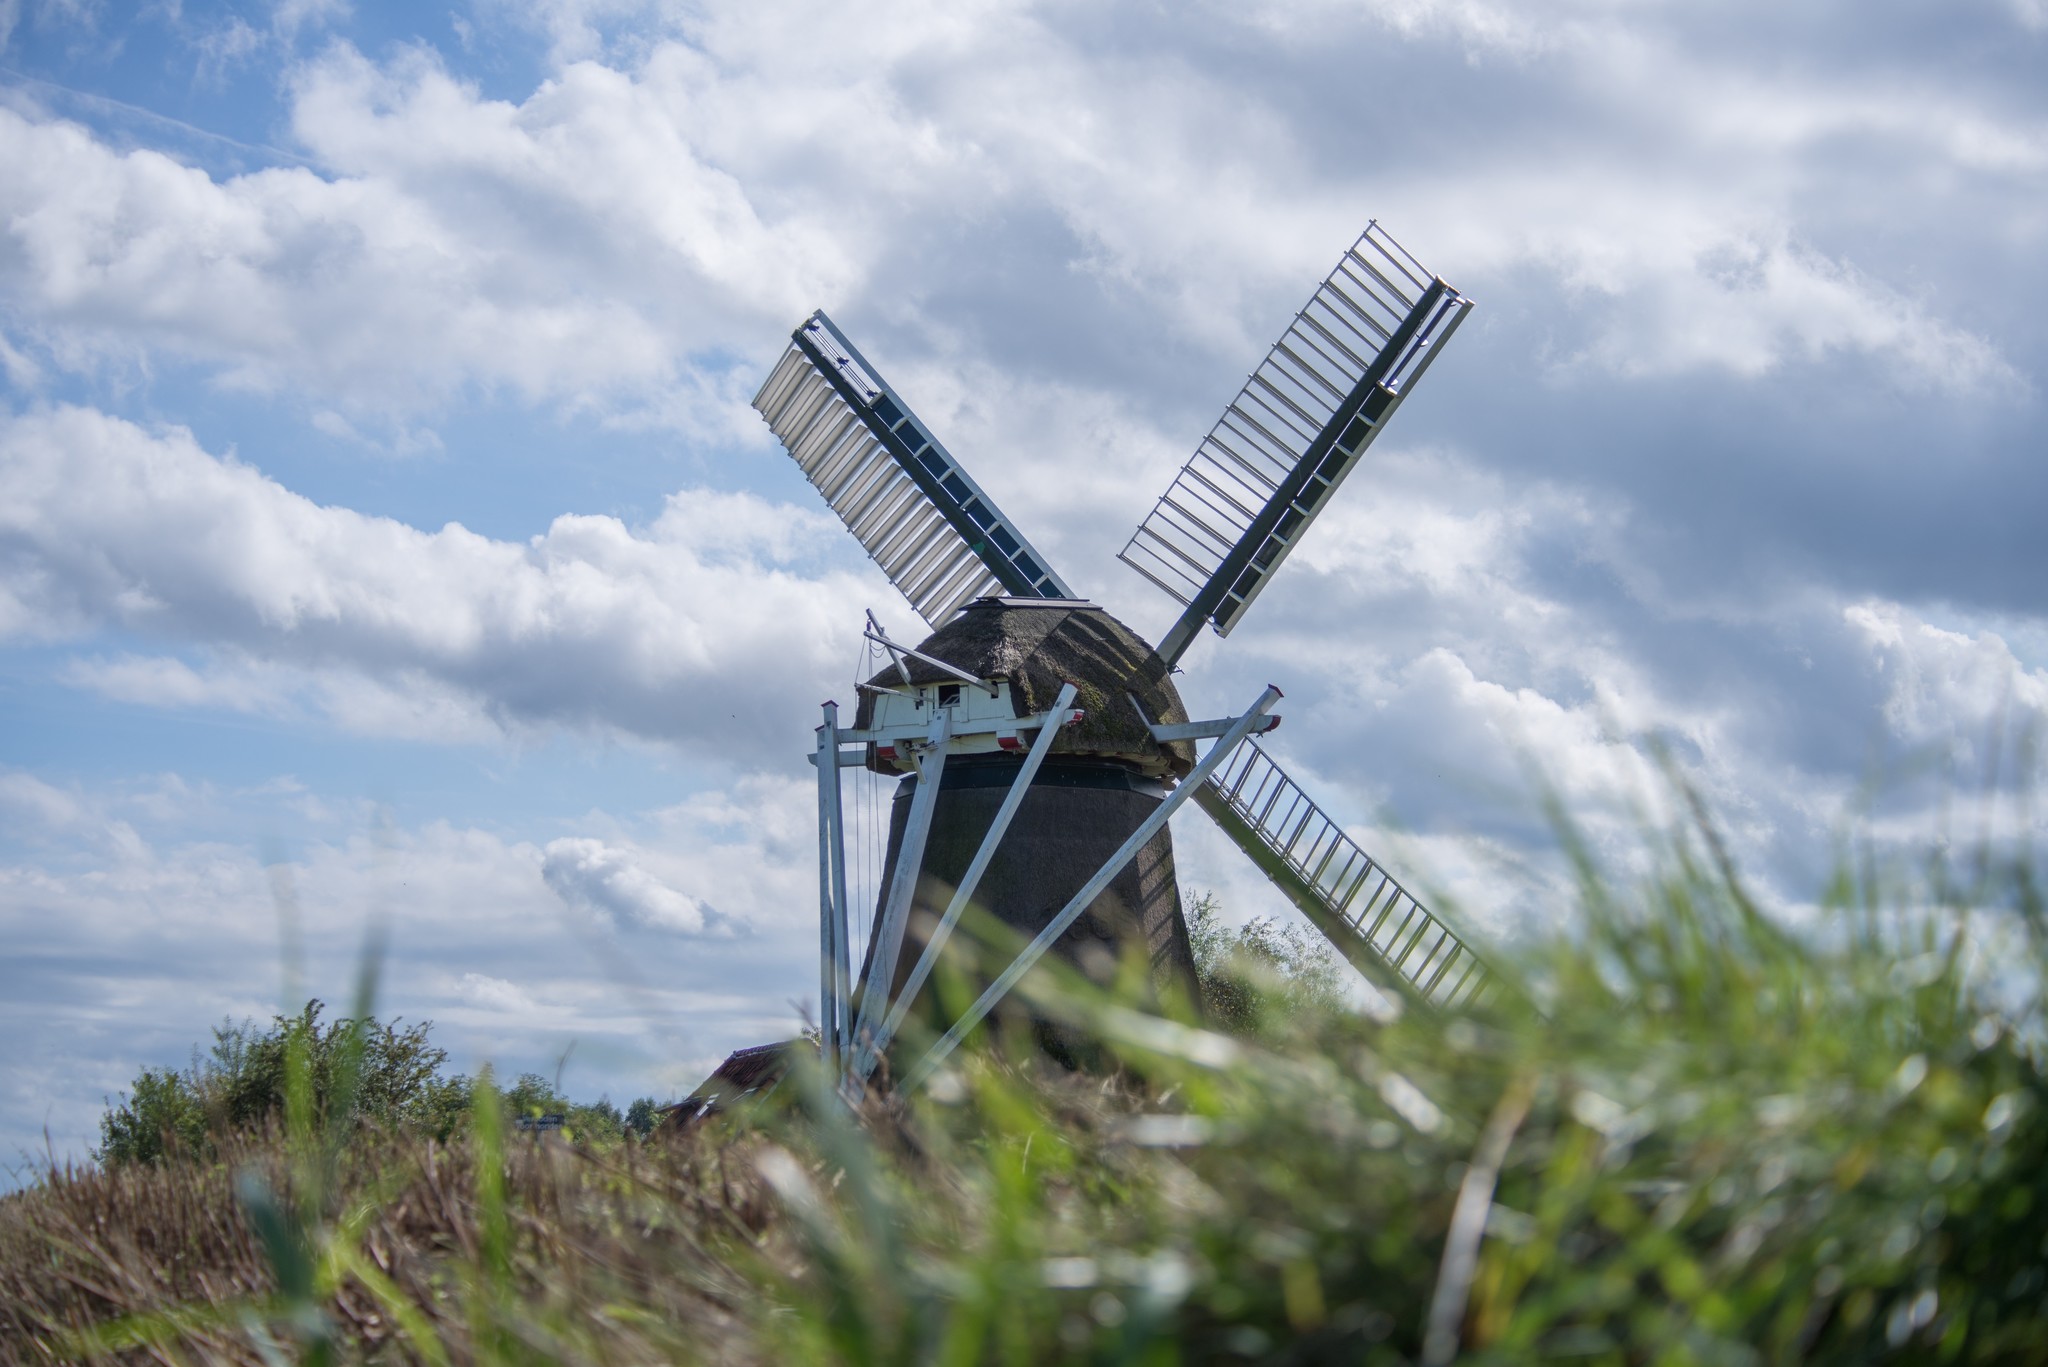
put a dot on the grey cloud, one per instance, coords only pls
(1448, 623)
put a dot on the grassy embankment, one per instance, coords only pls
(1716, 1142)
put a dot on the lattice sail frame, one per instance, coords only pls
(917, 513)
(1351, 897)
(1293, 433)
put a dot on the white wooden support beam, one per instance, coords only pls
(874, 632)
(831, 893)
(847, 759)
(857, 755)
(870, 1051)
(897, 652)
(842, 929)
(1081, 900)
(1195, 730)
(888, 940)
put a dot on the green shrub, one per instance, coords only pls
(1262, 974)
(533, 1096)
(163, 1114)
(239, 1085)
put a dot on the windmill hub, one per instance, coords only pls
(1009, 657)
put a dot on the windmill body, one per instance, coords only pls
(1104, 773)
(1042, 743)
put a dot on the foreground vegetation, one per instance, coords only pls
(1701, 1139)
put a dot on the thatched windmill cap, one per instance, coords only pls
(1035, 645)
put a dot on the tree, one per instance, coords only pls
(162, 1116)
(398, 1080)
(239, 1085)
(600, 1120)
(642, 1116)
(1256, 975)
(533, 1096)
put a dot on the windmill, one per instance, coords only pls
(1042, 743)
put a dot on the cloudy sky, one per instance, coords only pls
(385, 539)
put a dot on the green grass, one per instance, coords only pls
(1706, 1139)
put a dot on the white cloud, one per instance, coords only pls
(673, 632)
(608, 881)
(409, 704)
(605, 243)
(1947, 686)
(23, 374)
(402, 283)
(27, 798)
(1450, 631)
(289, 17)
(404, 440)
(481, 989)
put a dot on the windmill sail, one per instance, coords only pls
(1372, 920)
(929, 526)
(1298, 427)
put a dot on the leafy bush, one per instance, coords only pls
(533, 1096)
(240, 1085)
(163, 1114)
(1259, 975)
(642, 1116)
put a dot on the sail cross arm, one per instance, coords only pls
(1298, 427)
(936, 533)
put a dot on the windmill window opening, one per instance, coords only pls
(949, 694)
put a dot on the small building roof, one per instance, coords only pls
(745, 1072)
(1035, 645)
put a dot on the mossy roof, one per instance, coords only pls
(1035, 649)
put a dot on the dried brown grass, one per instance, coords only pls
(122, 1255)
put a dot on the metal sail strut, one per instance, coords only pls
(932, 529)
(1377, 924)
(1298, 427)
